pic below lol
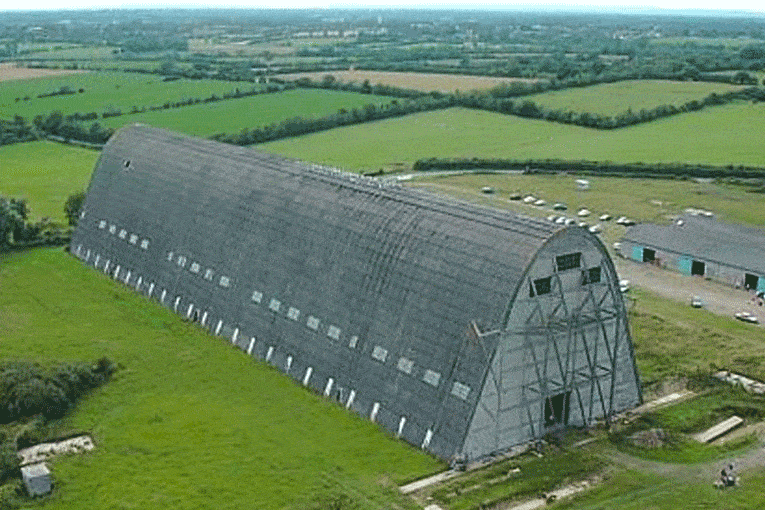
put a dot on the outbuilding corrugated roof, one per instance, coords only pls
(706, 239)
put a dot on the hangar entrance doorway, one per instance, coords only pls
(751, 281)
(649, 255)
(698, 268)
(556, 409)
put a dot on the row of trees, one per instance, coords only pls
(18, 230)
(673, 170)
(530, 109)
(300, 126)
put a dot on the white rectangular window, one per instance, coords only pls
(194, 267)
(209, 275)
(428, 439)
(354, 341)
(170, 256)
(288, 366)
(312, 323)
(112, 229)
(380, 353)
(225, 281)
(460, 390)
(102, 224)
(350, 399)
(123, 234)
(145, 244)
(333, 332)
(405, 365)
(274, 305)
(252, 344)
(182, 261)
(270, 353)
(401, 424)
(293, 313)
(307, 376)
(257, 297)
(431, 377)
(328, 387)
(133, 238)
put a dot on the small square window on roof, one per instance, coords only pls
(257, 296)
(194, 268)
(209, 274)
(380, 353)
(312, 323)
(112, 229)
(274, 305)
(123, 234)
(333, 332)
(293, 313)
(568, 261)
(460, 390)
(102, 224)
(353, 342)
(133, 238)
(170, 256)
(182, 261)
(145, 244)
(225, 281)
(405, 365)
(431, 377)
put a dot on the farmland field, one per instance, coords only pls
(730, 134)
(233, 115)
(615, 98)
(102, 91)
(45, 173)
(11, 72)
(418, 81)
(187, 422)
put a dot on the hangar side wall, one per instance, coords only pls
(572, 342)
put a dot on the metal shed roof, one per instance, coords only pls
(706, 239)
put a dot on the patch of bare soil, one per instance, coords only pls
(11, 71)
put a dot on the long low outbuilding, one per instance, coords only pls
(701, 246)
(460, 329)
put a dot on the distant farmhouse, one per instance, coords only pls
(462, 330)
(702, 246)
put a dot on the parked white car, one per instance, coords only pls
(747, 317)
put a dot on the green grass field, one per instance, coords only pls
(640, 199)
(102, 91)
(730, 134)
(233, 115)
(615, 98)
(45, 173)
(188, 422)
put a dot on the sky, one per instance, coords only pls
(633, 6)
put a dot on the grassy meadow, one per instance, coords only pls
(640, 199)
(45, 173)
(102, 91)
(615, 98)
(231, 116)
(730, 134)
(187, 422)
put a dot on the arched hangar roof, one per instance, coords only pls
(374, 286)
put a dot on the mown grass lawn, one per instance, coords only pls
(103, 90)
(188, 422)
(45, 173)
(233, 115)
(615, 98)
(730, 134)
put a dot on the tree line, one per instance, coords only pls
(531, 166)
(17, 230)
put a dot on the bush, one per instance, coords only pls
(28, 390)
(9, 463)
(73, 206)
